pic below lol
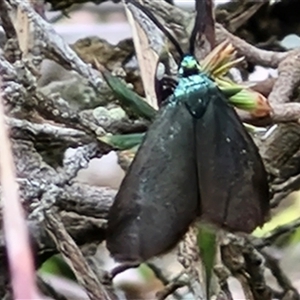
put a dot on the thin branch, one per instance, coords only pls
(288, 78)
(78, 160)
(69, 135)
(270, 59)
(247, 265)
(53, 44)
(6, 23)
(73, 255)
(170, 289)
(280, 276)
(170, 285)
(241, 16)
(287, 112)
(16, 233)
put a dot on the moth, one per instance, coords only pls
(196, 162)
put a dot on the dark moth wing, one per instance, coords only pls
(232, 179)
(158, 198)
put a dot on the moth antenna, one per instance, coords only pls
(151, 16)
(199, 26)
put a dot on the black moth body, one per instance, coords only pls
(196, 161)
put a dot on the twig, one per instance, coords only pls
(16, 233)
(282, 190)
(78, 160)
(287, 112)
(255, 267)
(170, 288)
(69, 135)
(6, 23)
(189, 256)
(223, 275)
(166, 282)
(288, 78)
(12, 89)
(53, 44)
(240, 17)
(279, 275)
(246, 264)
(72, 254)
(252, 54)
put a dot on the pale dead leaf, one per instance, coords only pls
(22, 26)
(149, 44)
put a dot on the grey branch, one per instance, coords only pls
(68, 248)
(53, 44)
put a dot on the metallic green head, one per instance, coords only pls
(189, 66)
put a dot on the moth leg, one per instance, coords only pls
(109, 276)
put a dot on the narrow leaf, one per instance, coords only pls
(207, 242)
(128, 97)
(123, 141)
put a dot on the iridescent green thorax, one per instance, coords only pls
(191, 78)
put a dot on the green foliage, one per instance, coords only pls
(57, 266)
(208, 246)
(145, 271)
(281, 218)
(129, 98)
(230, 91)
(123, 141)
(244, 100)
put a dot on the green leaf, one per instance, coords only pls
(123, 141)
(129, 98)
(207, 242)
(146, 272)
(231, 91)
(57, 266)
(282, 217)
(244, 100)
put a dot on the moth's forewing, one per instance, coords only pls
(158, 198)
(232, 179)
